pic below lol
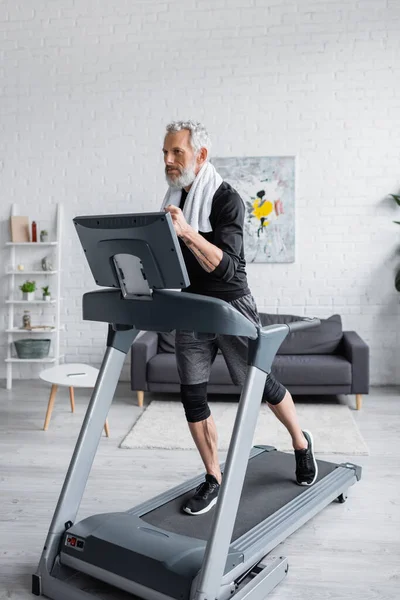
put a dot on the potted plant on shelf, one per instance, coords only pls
(44, 236)
(46, 293)
(28, 290)
(396, 198)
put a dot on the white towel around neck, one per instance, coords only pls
(198, 203)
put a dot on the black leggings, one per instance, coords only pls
(194, 398)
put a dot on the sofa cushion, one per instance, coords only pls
(316, 369)
(166, 341)
(323, 339)
(162, 368)
(288, 369)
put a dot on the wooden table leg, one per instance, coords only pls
(140, 398)
(72, 398)
(50, 406)
(358, 401)
(106, 428)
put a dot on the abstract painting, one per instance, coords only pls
(266, 184)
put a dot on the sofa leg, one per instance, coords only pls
(358, 401)
(140, 398)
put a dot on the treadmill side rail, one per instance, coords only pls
(212, 571)
(83, 456)
(297, 512)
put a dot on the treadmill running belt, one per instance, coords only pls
(269, 484)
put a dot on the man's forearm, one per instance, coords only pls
(208, 255)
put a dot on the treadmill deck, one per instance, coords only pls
(270, 483)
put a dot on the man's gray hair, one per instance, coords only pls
(199, 137)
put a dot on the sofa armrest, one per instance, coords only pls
(142, 350)
(357, 352)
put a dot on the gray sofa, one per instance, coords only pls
(323, 360)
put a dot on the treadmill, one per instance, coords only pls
(155, 551)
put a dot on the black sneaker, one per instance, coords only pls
(306, 465)
(205, 498)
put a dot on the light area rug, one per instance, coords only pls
(162, 425)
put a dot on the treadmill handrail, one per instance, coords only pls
(293, 326)
(304, 323)
(166, 310)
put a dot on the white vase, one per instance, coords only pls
(46, 298)
(28, 296)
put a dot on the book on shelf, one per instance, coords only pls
(19, 229)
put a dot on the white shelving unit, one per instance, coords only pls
(17, 256)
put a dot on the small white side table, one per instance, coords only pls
(71, 375)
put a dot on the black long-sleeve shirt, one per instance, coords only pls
(229, 280)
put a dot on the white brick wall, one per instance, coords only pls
(88, 86)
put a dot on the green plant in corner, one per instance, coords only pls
(396, 198)
(28, 286)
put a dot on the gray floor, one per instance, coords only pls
(347, 551)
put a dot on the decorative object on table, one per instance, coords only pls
(46, 293)
(26, 320)
(46, 264)
(19, 229)
(396, 198)
(20, 267)
(266, 184)
(28, 348)
(28, 290)
(34, 231)
(44, 236)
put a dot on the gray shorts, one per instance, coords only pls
(195, 357)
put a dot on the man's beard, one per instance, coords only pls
(185, 178)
